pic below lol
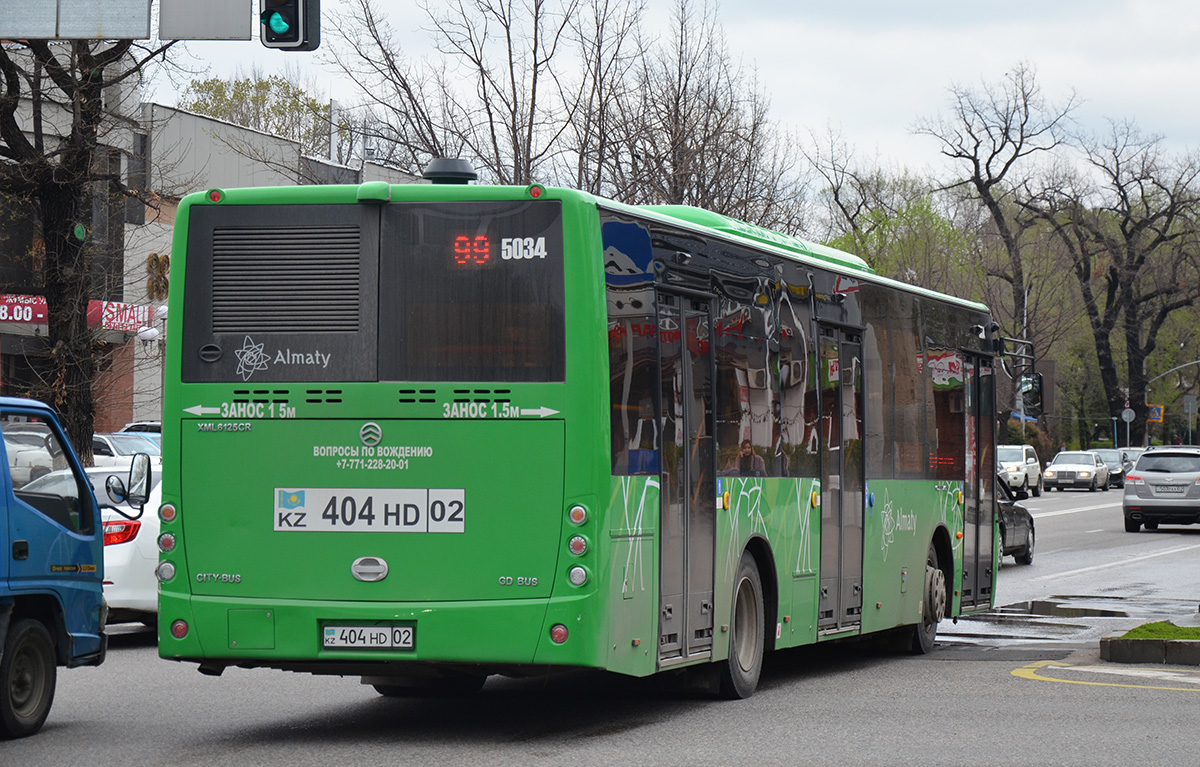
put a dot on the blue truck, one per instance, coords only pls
(52, 610)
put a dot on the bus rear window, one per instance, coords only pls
(471, 291)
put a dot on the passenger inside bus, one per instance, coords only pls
(747, 464)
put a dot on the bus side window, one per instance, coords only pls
(633, 379)
(796, 418)
(746, 389)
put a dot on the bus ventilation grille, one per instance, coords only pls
(482, 395)
(261, 395)
(294, 279)
(318, 396)
(414, 396)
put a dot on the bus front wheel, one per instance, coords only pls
(740, 671)
(27, 679)
(933, 604)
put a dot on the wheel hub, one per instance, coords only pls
(935, 593)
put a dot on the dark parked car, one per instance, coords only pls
(1016, 524)
(1162, 488)
(1118, 463)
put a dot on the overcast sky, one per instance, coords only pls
(871, 68)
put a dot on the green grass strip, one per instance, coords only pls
(1163, 630)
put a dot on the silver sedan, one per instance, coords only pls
(1076, 469)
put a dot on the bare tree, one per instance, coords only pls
(571, 92)
(996, 134)
(492, 95)
(59, 104)
(604, 34)
(406, 110)
(699, 132)
(506, 50)
(1132, 230)
(854, 196)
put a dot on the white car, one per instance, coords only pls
(130, 556)
(118, 449)
(1020, 468)
(28, 457)
(1076, 468)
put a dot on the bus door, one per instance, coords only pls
(978, 483)
(688, 486)
(842, 479)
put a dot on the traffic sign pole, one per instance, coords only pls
(1127, 415)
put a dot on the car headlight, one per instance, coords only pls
(1049, 473)
(1085, 474)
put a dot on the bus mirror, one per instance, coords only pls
(1031, 394)
(139, 480)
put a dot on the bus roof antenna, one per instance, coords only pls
(446, 170)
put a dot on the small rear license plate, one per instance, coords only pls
(369, 637)
(1170, 488)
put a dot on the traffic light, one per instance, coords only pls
(292, 25)
(1031, 394)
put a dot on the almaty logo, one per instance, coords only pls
(251, 358)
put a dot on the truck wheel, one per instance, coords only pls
(27, 679)
(740, 671)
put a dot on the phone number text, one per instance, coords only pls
(373, 464)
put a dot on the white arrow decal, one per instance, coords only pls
(541, 412)
(201, 410)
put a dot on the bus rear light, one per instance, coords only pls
(577, 545)
(215, 195)
(166, 542)
(535, 190)
(577, 514)
(558, 633)
(120, 531)
(165, 571)
(167, 512)
(179, 629)
(577, 576)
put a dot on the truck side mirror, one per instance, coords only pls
(139, 480)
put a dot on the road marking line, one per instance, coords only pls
(1100, 530)
(1076, 511)
(1118, 563)
(1030, 672)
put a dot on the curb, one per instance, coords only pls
(1178, 652)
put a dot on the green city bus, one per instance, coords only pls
(426, 433)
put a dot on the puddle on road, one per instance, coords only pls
(1060, 618)
(1058, 609)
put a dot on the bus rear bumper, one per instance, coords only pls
(289, 634)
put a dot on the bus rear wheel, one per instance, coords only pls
(27, 679)
(741, 670)
(933, 605)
